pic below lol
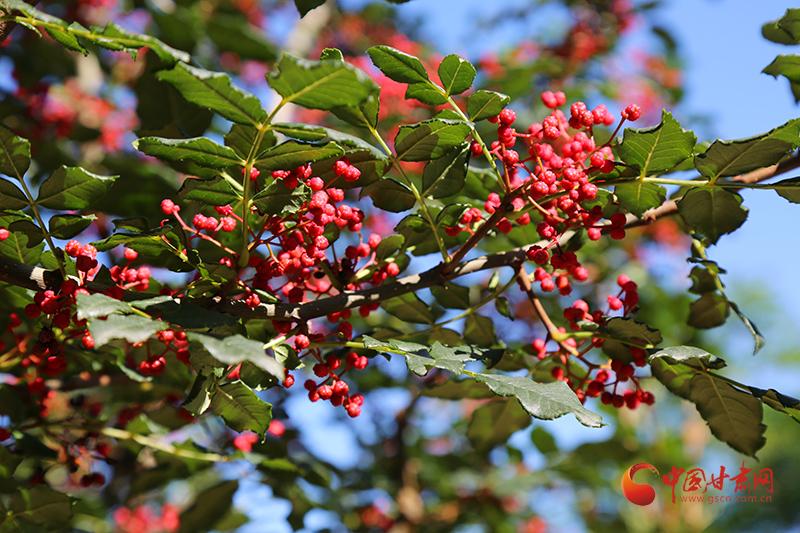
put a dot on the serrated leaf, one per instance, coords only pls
(237, 349)
(398, 65)
(451, 296)
(430, 139)
(785, 30)
(420, 358)
(240, 408)
(389, 246)
(494, 423)
(242, 137)
(212, 191)
(325, 84)
(11, 197)
(484, 104)
(425, 93)
(445, 176)
(631, 331)
(410, 308)
(215, 91)
(640, 196)
(131, 328)
(73, 188)
(732, 158)
(391, 195)
(777, 401)
(19, 246)
(456, 74)
(712, 211)
(15, 154)
(545, 401)
(68, 226)
(291, 154)
(656, 149)
(479, 330)
(709, 311)
(734, 416)
(199, 150)
(277, 199)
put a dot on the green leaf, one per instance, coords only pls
(11, 197)
(640, 196)
(391, 195)
(656, 149)
(545, 401)
(430, 139)
(332, 53)
(213, 191)
(758, 338)
(484, 104)
(445, 176)
(277, 199)
(632, 332)
(789, 189)
(494, 423)
(242, 137)
(732, 158)
(67, 226)
(209, 508)
(237, 349)
(131, 328)
(425, 93)
(73, 188)
(115, 37)
(710, 311)
(27, 227)
(459, 390)
(734, 416)
(291, 154)
(67, 40)
(777, 401)
(215, 91)
(421, 358)
(42, 506)
(389, 246)
(785, 30)
(241, 409)
(398, 65)
(703, 280)
(410, 308)
(99, 305)
(235, 34)
(712, 211)
(304, 6)
(15, 154)
(325, 84)
(479, 330)
(451, 296)
(199, 150)
(19, 245)
(787, 66)
(456, 74)
(544, 441)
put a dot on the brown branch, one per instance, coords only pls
(39, 278)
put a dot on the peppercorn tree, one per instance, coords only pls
(164, 297)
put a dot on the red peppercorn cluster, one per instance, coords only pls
(557, 182)
(332, 387)
(155, 359)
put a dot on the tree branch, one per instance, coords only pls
(38, 278)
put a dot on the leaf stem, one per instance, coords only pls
(417, 196)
